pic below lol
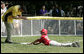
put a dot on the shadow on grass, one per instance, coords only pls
(9, 43)
(2, 42)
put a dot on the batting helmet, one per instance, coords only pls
(44, 31)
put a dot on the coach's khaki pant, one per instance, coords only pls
(9, 30)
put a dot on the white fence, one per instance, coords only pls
(54, 27)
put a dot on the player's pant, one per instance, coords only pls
(55, 43)
(8, 29)
(2, 27)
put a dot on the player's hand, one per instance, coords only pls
(29, 43)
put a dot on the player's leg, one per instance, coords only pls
(74, 44)
(1, 27)
(55, 43)
(66, 44)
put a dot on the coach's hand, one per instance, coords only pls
(20, 17)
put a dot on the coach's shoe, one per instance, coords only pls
(77, 43)
(74, 44)
(6, 41)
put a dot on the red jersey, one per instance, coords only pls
(44, 39)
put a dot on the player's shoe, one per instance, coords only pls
(74, 44)
(77, 43)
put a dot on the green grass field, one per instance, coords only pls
(18, 48)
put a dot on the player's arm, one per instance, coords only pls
(36, 42)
